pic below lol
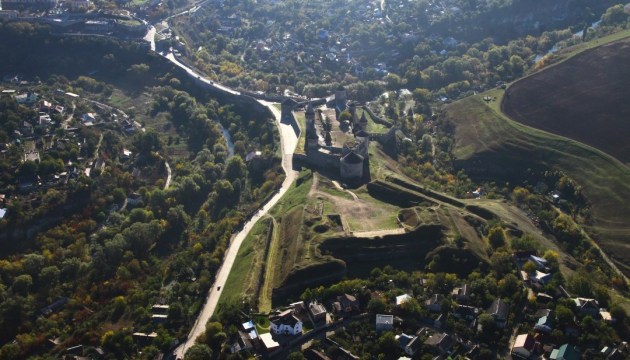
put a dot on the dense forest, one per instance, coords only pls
(124, 241)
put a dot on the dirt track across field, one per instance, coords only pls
(586, 98)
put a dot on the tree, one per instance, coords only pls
(501, 262)
(614, 15)
(376, 306)
(235, 168)
(496, 237)
(529, 267)
(564, 316)
(296, 355)
(487, 322)
(49, 277)
(22, 284)
(345, 116)
(388, 346)
(145, 142)
(422, 95)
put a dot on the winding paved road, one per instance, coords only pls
(288, 142)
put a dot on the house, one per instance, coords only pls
(544, 324)
(541, 277)
(603, 314)
(54, 307)
(466, 312)
(143, 339)
(286, 323)
(461, 294)
(434, 303)
(79, 4)
(440, 321)
(125, 154)
(242, 342)
(409, 344)
(88, 117)
(27, 128)
(317, 311)
(348, 303)
(8, 14)
(587, 306)
(298, 307)
(44, 119)
(565, 352)
(312, 354)
(618, 353)
(523, 346)
(28, 98)
(160, 309)
(402, 299)
(540, 263)
(250, 330)
(544, 298)
(268, 342)
(159, 318)
(499, 310)
(3, 213)
(384, 322)
(442, 342)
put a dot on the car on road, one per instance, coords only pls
(218, 288)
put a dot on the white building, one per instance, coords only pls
(286, 323)
(268, 342)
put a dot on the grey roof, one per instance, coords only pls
(499, 309)
(362, 133)
(352, 158)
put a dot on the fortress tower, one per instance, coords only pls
(362, 142)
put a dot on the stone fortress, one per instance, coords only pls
(333, 143)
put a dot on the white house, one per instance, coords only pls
(286, 323)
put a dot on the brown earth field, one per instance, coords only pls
(585, 98)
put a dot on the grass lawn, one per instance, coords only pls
(373, 127)
(262, 324)
(243, 279)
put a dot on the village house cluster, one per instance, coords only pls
(536, 273)
(55, 129)
(435, 334)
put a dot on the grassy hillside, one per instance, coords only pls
(490, 145)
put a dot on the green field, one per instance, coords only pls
(242, 281)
